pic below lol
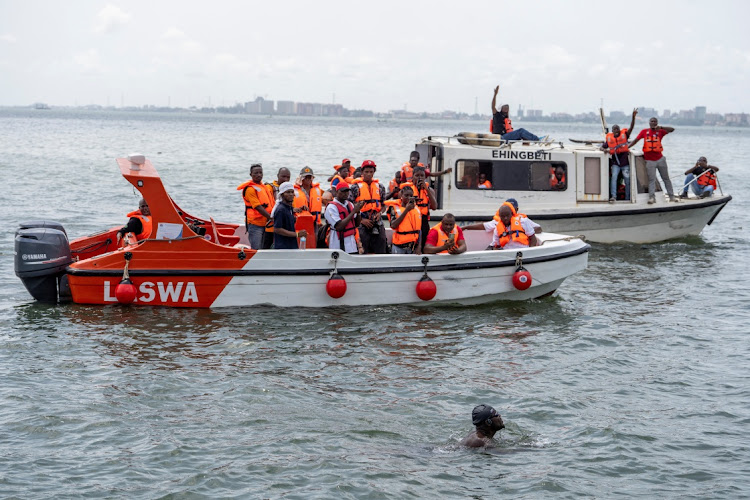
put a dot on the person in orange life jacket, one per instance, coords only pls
(501, 123)
(308, 196)
(393, 187)
(445, 237)
(406, 222)
(557, 179)
(407, 168)
(140, 223)
(483, 182)
(344, 174)
(701, 179)
(345, 163)
(259, 202)
(490, 226)
(616, 143)
(343, 217)
(513, 231)
(652, 149)
(372, 193)
(281, 177)
(487, 422)
(426, 201)
(285, 236)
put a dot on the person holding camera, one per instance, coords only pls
(372, 194)
(701, 179)
(445, 237)
(426, 201)
(406, 222)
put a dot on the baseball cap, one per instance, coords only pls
(306, 171)
(286, 186)
(345, 160)
(342, 185)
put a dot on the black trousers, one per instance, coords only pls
(373, 243)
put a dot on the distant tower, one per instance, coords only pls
(476, 105)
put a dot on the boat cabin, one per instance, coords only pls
(541, 176)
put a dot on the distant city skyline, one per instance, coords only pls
(389, 55)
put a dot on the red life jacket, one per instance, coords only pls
(619, 144)
(344, 211)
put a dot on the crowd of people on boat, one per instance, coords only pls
(701, 178)
(352, 214)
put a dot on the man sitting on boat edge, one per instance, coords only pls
(139, 224)
(501, 124)
(701, 179)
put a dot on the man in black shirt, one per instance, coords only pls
(501, 124)
(285, 236)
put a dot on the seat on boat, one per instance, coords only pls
(222, 238)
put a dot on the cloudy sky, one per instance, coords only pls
(562, 56)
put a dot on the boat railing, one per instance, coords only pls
(695, 180)
(488, 140)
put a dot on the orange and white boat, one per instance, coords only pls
(192, 262)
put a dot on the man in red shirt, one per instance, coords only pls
(652, 149)
(445, 237)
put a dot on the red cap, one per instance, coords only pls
(368, 163)
(345, 160)
(342, 185)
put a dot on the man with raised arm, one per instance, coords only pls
(501, 124)
(652, 149)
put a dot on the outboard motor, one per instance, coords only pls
(42, 253)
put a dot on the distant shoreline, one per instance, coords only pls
(585, 118)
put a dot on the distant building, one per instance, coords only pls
(666, 114)
(647, 113)
(259, 107)
(700, 113)
(285, 107)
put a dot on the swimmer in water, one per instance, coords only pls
(487, 422)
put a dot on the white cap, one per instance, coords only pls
(286, 186)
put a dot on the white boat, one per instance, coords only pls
(521, 170)
(191, 262)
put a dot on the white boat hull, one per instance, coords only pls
(298, 278)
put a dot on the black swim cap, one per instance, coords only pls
(481, 413)
(513, 202)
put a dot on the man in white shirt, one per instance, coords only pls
(344, 218)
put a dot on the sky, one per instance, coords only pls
(558, 56)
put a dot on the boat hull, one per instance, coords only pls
(632, 223)
(298, 278)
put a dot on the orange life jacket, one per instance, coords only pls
(423, 200)
(408, 230)
(485, 185)
(348, 180)
(514, 233)
(508, 125)
(652, 142)
(265, 197)
(708, 178)
(393, 185)
(145, 223)
(553, 182)
(314, 202)
(407, 169)
(370, 194)
(618, 144)
(508, 204)
(443, 237)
